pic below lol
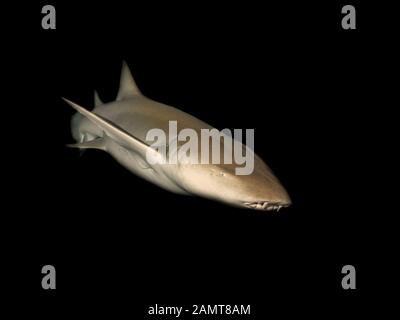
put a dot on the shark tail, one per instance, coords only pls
(76, 124)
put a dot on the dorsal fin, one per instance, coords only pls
(127, 86)
(97, 100)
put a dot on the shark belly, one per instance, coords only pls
(132, 161)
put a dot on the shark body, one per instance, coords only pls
(120, 128)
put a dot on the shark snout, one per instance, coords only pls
(267, 205)
(269, 197)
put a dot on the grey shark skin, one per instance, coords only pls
(120, 128)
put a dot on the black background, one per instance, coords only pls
(120, 244)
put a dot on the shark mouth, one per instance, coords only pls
(265, 205)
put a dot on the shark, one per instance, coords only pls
(120, 128)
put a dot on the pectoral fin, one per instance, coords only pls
(118, 134)
(98, 143)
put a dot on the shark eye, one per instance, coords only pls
(217, 173)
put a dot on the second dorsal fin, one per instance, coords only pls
(97, 100)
